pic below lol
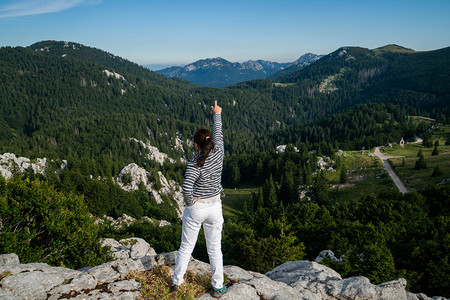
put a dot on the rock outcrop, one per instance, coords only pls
(129, 248)
(157, 186)
(137, 176)
(126, 220)
(9, 164)
(292, 280)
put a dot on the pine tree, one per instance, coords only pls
(288, 191)
(259, 173)
(426, 142)
(270, 194)
(420, 153)
(235, 174)
(343, 177)
(435, 150)
(437, 171)
(420, 163)
(320, 189)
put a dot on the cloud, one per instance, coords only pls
(36, 7)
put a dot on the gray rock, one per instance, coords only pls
(128, 248)
(412, 296)
(9, 259)
(198, 267)
(236, 274)
(39, 267)
(30, 285)
(9, 162)
(163, 223)
(111, 244)
(121, 254)
(270, 289)
(127, 295)
(78, 284)
(315, 281)
(138, 247)
(124, 286)
(295, 280)
(41, 281)
(357, 288)
(326, 253)
(293, 271)
(394, 289)
(238, 291)
(119, 269)
(166, 258)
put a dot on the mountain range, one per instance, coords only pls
(52, 86)
(218, 72)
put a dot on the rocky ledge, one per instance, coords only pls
(291, 280)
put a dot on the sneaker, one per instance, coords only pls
(174, 288)
(219, 292)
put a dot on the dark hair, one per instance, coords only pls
(204, 141)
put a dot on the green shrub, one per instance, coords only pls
(40, 224)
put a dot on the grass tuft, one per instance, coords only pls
(156, 284)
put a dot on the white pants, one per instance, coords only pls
(206, 212)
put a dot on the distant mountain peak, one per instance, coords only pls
(49, 44)
(350, 50)
(301, 63)
(308, 57)
(219, 72)
(394, 48)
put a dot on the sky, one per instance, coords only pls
(176, 32)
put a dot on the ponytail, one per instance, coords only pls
(204, 141)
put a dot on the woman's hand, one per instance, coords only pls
(196, 199)
(216, 108)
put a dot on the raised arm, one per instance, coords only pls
(218, 136)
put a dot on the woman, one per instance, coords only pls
(201, 192)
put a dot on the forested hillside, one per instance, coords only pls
(54, 86)
(416, 82)
(359, 127)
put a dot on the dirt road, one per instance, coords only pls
(401, 187)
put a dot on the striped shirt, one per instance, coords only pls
(205, 182)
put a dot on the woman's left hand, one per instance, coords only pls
(196, 199)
